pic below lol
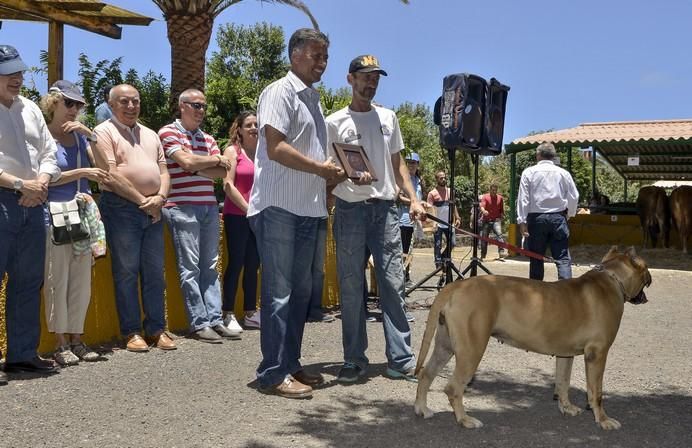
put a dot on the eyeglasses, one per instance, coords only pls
(197, 106)
(72, 103)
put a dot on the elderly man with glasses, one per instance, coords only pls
(131, 213)
(27, 165)
(192, 214)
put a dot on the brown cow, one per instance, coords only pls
(654, 214)
(681, 208)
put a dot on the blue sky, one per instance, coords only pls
(567, 62)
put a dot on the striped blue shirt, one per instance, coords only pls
(293, 109)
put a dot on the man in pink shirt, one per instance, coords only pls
(131, 213)
(192, 214)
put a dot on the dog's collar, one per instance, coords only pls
(601, 268)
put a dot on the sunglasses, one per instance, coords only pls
(197, 106)
(72, 103)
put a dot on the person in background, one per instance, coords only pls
(67, 279)
(131, 213)
(192, 214)
(240, 239)
(27, 165)
(406, 224)
(547, 198)
(103, 111)
(440, 198)
(492, 210)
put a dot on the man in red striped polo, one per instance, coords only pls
(192, 214)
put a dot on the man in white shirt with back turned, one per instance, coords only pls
(547, 198)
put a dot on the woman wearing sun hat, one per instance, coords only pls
(67, 287)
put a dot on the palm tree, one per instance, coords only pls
(190, 24)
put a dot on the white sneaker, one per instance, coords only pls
(232, 323)
(252, 320)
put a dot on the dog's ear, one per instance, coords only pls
(631, 252)
(611, 254)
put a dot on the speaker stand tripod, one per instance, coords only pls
(475, 262)
(446, 265)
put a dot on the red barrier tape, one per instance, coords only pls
(501, 244)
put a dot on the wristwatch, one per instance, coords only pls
(92, 138)
(18, 184)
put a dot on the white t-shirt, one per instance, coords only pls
(377, 131)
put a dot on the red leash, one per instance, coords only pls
(508, 246)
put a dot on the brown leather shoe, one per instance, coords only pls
(135, 343)
(164, 342)
(290, 388)
(310, 379)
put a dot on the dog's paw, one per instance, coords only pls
(471, 423)
(610, 423)
(423, 411)
(569, 409)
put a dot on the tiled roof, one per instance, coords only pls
(607, 132)
(638, 150)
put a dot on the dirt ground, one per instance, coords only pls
(204, 395)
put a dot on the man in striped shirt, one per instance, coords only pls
(192, 214)
(287, 203)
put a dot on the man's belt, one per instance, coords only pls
(11, 190)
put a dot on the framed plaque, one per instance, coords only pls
(354, 160)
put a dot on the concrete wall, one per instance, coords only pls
(102, 319)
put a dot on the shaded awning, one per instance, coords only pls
(89, 15)
(638, 150)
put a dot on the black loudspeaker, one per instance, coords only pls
(471, 114)
(494, 119)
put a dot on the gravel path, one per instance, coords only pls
(204, 396)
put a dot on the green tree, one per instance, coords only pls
(333, 100)
(190, 24)
(154, 91)
(248, 59)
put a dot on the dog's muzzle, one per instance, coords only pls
(641, 297)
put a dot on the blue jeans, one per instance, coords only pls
(22, 256)
(287, 246)
(242, 255)
(136, 246)
(437, 244)
(358, 225)
(549, 230)
(315, 308)
(195, 230)
(496, 227)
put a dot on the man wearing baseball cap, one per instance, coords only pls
(366, 218)
(27, 166)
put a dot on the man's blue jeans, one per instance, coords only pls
(136, 246)
(195, 230)
(549, 230)
(287, 246)
(22, 256)
(496, 227)
(438, 250)
(358, 225)
(315, 308)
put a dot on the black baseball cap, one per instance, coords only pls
(365, 64)
(10, 62)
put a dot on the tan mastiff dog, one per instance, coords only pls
(566, 318)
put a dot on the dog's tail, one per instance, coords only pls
(431, 325)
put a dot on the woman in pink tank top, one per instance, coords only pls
(240, 241)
